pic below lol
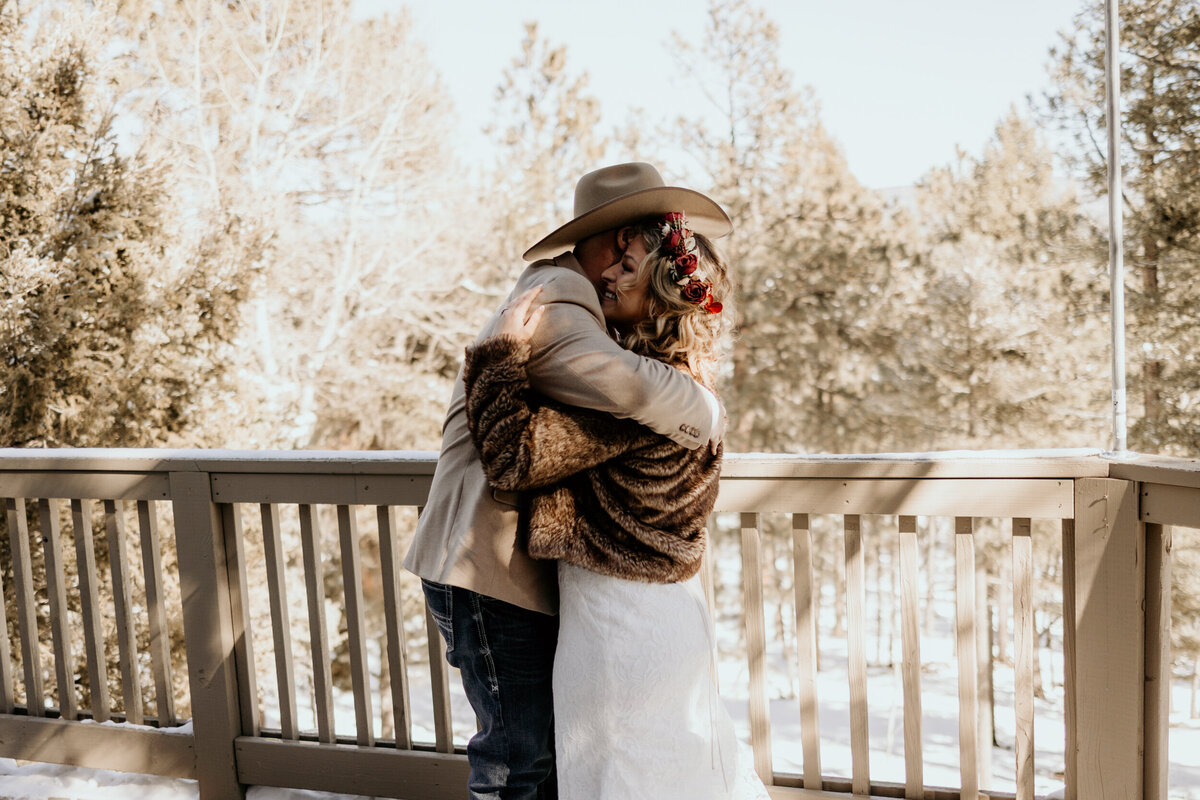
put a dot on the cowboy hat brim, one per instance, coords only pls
(703, 215)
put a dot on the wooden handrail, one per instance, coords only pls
(1112, 512)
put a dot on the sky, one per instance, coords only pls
(900, 83)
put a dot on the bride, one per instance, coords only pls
(624, 512)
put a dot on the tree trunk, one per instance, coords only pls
(1195, 709)
(1151, 369)
(1004, 605)
(839, 598)
(818, 585)
(1039, 688)
(785, 616)
(930, 576)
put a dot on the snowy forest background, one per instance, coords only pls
(241, 224)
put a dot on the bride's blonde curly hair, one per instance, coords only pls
(676, 331)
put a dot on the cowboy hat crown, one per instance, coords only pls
(613, 196)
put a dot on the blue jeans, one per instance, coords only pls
(506, 656)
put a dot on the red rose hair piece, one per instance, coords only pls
(679, 247)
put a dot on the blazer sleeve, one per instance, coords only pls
(576, 362)
(527, 445)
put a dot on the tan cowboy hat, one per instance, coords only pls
(613, 196)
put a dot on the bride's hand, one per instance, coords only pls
(516, 320)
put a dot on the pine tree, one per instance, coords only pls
(812, 252)
(545, 132)
(117, 311)
(113, 319)
(1005, 346)
(1160, 132)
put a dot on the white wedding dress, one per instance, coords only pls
(636, 709)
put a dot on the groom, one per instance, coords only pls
(493, 604)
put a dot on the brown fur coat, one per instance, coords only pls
(602, 493)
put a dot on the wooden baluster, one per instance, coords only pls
(806, 648)
(352, 585)
(239, 612)
(393, 616)
(31, 657)
(706, 576)
(1023, 644)
(968, 694)
(314, 582)
(856, 594)
(910, 636)
(243, 640)
(752, 593)
(710, 600)
(56, 590)
(160, 637)
(7, 703)
(131, 683)
(439, 678)
(281, 626)
(986, 722)
(1070, 718)
(89, 601)
(1158, 661)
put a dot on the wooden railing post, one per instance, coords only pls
(1110, 588)
(208, 632)
(1158, 659)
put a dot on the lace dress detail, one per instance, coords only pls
(637, 714)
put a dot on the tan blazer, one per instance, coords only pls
(467, 534)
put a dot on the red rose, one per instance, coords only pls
(686, 265)
(712, 306)
(694, 292)
(673, 217)
(673, 240)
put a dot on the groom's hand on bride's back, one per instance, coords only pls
(720, 421)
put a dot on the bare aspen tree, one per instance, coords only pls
(330, 135)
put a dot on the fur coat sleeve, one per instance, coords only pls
(525, 443)
(603, 493)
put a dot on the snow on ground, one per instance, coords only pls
(35, 781)
(939, 693)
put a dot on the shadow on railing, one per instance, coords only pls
(274, 694)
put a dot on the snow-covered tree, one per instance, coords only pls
(113, 316)
(327, 135)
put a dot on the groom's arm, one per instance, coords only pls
(527, 442)
(575, 362)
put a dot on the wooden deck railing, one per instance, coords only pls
(205, 519)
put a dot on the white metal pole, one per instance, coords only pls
(1116, 232)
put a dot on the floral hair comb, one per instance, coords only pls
(679, 246)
